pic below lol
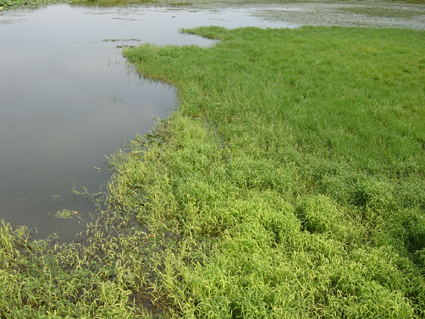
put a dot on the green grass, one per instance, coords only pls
(294, 173)
(288, 184)
(383, 12)
(15, 3)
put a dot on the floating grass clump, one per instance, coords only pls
(289, 184)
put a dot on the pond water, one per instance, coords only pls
(68, 99)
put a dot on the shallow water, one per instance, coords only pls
(370, 14)
(68, 98)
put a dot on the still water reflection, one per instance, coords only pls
(67, 99)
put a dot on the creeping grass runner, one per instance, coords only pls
(289, 184)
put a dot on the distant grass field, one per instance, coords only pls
(107, 3)
(15, 3)
(290, 183)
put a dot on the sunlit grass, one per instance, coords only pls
(289, 184)
(295, 167)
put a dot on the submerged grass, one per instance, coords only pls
(289, 184)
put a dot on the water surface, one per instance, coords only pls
(67, 99)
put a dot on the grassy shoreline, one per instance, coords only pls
(289, 184)
(294, 176)
(8, 4)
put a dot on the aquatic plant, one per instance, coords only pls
(65, 213)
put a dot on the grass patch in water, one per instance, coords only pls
(383, 12)
(289, 184)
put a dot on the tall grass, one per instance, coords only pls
(289, 184)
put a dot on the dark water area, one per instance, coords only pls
(68, 99)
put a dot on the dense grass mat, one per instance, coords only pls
(297, 158)
(289, 184)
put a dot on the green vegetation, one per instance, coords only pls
(110, 3)
(14, 3)
(293, 176)
(289, 184)
(65, 213)
(383, 12)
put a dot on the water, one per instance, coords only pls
(68, 98)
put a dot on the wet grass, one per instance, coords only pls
(293, 175)
(289, 184)
(104, 276)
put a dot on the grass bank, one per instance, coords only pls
(289, 184)
(293, 177)
(16, 3)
